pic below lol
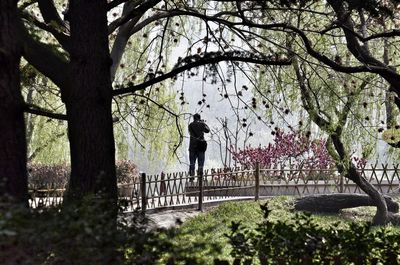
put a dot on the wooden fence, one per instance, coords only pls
(175, 189)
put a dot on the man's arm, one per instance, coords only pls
(206, 129)
(191, 132)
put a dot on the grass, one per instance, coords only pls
(204, 234)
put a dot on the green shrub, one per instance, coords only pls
(89, 233)
(305, 242)
(85, 233)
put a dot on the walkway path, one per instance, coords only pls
(171, 218)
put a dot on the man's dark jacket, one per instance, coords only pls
(196, 131)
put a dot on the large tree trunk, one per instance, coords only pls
(13, 174)
(333, 203)
(347, 168)
(88, 102)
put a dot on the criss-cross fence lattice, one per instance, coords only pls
(174, 189)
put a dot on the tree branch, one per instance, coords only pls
(60, 37)
(115, 3)
(307, 101)
(387, 34)
(361, 52)
(25, 5)
(44, 59)
(121, 40)
(49, 12)
(135, 11)
(33, 109)
(209, 58)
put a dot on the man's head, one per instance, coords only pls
(196, 117)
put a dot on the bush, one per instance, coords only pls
(127, 172)
(304, 242)
(40, 175)
(294, 150)
(85, 233)
(56, 176)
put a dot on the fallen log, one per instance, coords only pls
(333, 203)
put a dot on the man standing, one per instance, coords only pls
(197, 145)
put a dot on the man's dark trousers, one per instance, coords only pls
(193, 156)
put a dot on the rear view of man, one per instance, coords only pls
(197, 145)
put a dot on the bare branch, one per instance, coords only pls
(387, 34)
(210, 58)
(115, 3)
(137, 11)
(33, 109)
(49, 12)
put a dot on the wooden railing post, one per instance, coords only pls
(143, 191)
(341, 187)
(201, 189)
(257, 180)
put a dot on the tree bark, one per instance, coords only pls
(88, 102)
(13, 174)
(390, 117)
(333, 203)
(347, 168)
(121, 40)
